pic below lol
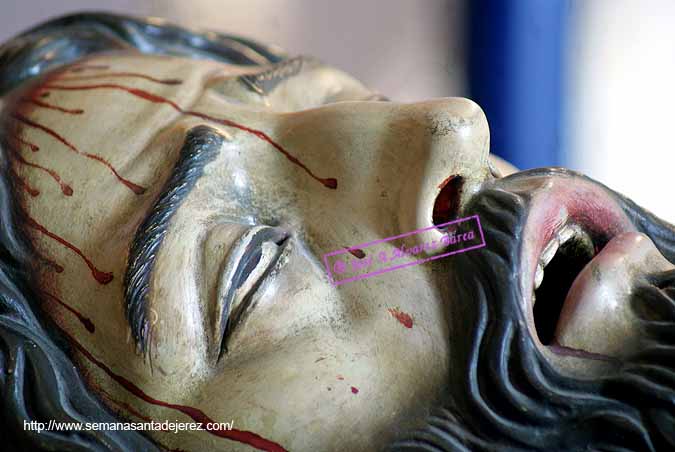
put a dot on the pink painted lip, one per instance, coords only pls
(557, 203)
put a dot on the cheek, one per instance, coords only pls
(412, 316)
(295, 301)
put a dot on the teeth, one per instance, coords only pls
(547, 255)
(538, 276)
(549, 252)
(566, 233)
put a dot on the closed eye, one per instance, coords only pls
(248, 262)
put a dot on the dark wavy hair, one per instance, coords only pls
(507, 396)
(38, 381)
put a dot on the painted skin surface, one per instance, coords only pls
(92, 147)
(309, 366)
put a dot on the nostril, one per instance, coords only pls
(446, 205)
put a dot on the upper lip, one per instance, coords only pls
(242, 260)
(560, 211)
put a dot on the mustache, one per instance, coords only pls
(505, 395)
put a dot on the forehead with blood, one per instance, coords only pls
(83, 136)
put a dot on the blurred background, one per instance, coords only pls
(586, 84)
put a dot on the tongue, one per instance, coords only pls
(596, 316)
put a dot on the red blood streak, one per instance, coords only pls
(87, 323)
(19, 180)
(101, 277)
(84, 67)
(65, 188)
(135, 188)
(125, 406)
(355, 390)
(169, 81)
(39, 103)
(31, 146)
(134, 91)
(403, 318)
(241, 436)
(327, 182)
(51, 263)
(134, 412)
(558, 349)
(356, 252)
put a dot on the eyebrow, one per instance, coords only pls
(201, 146)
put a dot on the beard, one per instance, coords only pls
(503, 393)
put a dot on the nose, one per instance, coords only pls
(448, 169)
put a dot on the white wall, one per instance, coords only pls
(621, 101)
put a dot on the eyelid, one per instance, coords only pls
(242, 261)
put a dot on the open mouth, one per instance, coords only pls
(572, 255)
(576, 246)
(562, 259)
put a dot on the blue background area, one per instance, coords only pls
(515, 68)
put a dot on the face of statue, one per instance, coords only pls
(296, 173)
(236, 317)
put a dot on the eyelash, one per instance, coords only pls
(248, 273)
